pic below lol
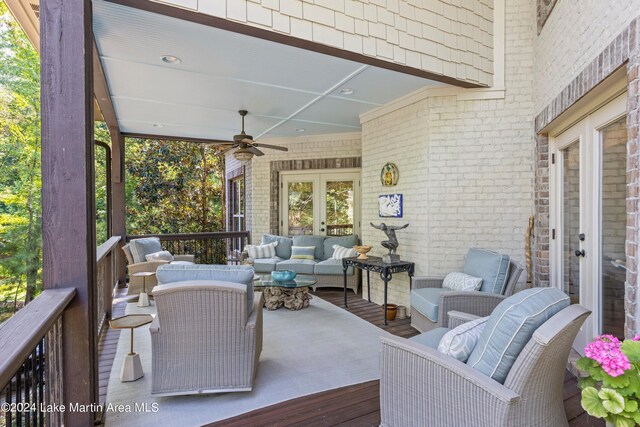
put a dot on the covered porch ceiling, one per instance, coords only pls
(288, 91)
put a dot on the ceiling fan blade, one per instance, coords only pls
(247, 140)
(273, 147)
(219, 142)
(255, 151)
(226, 150)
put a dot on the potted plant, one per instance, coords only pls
(611, 387)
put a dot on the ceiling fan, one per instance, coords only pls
(246, 146)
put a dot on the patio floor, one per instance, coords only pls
(356, 405)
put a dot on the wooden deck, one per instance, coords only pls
(355, 406)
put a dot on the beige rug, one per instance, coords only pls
(304, 352)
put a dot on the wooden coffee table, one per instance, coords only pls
(292, 294)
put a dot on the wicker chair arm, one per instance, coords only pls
(145, 266)
(435, 381)
(473, 302)
(154, 327)
(457, 318)
(189, 258)
(419, 282)
(258, 302)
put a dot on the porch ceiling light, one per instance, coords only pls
(346, 91)
(300, 130)
(243, 154)
(170, 59)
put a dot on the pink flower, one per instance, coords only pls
(636, 338)
(605, 350)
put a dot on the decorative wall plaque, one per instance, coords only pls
(389, 175)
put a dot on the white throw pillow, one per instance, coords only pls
(261, 251)
(160, 256)
(462, 282)
(340, 252)
(460, 342)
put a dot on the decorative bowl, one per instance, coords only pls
(362, 250)
(283, 275)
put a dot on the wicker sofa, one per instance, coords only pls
(328, 271)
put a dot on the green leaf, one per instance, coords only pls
(592, 403)
(623, 422)
(632, 350)
(631, 406)
(615, 382)
(585, 382)
(585, 364)
(611, 400)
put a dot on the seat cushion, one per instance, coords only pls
(283, 249)
(431, 338)
(491, 267)
(344, 241)
(426, 301)
(266, 265)
(511, 326)
(316, 241)
(127, 253)
(460, 341)
(140, 248)
(300, 266)
(331, 267)
(182, 263)
(173, 272)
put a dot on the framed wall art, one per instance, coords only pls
(389, 175)
(390, 205)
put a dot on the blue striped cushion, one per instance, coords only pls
(303, 252)
(491, 267)
(511, 326)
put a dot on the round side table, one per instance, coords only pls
(131, 367)
(143, 299)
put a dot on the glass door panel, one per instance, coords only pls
(570, 205)
(300, 218)
(339, 207)
(613, 227)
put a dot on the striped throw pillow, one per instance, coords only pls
(303, 252)
(261, 251)
(340, 252)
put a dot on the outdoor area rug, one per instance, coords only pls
(319, 348)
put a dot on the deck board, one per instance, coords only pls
(353, 406)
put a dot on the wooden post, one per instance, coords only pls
(118, 206)
(68, 199)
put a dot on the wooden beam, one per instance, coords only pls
(236, 27)
(68, 195)
(175, 138)
(101, 90)
(118, 202)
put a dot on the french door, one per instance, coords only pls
(588, 217)
(320, 203)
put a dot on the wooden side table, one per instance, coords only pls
(143, 299)
(131, 367)
(375, 264)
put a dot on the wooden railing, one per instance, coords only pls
(208, 248)
(107, 279)
(339, 229)
(31, 361)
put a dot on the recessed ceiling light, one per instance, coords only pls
(300, 130)
(158, 125)
(346, 91)
(170, 59)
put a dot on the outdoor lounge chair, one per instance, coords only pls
(430, 303)
(420, 386)
(206, 338)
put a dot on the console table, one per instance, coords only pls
(375, 264)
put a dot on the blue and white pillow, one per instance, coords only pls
(340, 252)
(460, 342)
(462, 282)
(303, 252)
(261, 251)
(160, 256)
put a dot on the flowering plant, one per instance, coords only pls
(611, 389)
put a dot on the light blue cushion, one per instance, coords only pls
(244, 274)
(344, 241)
(303, 252)
(491, 267)
(300, 266)
(140, 248)
(511, 326)
(317, 241)
(431, 338)
(426, 301)
(331, 267)
(460, 341)
(266, 265)
(283, 250)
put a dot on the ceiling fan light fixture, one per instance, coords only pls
(243, 154)
(171, 59)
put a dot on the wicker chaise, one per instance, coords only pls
(473, 302)
(203, 340)
(419, 386)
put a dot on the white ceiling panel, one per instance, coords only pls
(284, 88)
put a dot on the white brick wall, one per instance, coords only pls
(459, 33)
(466, 168)
(257, 172)
(575, 33)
